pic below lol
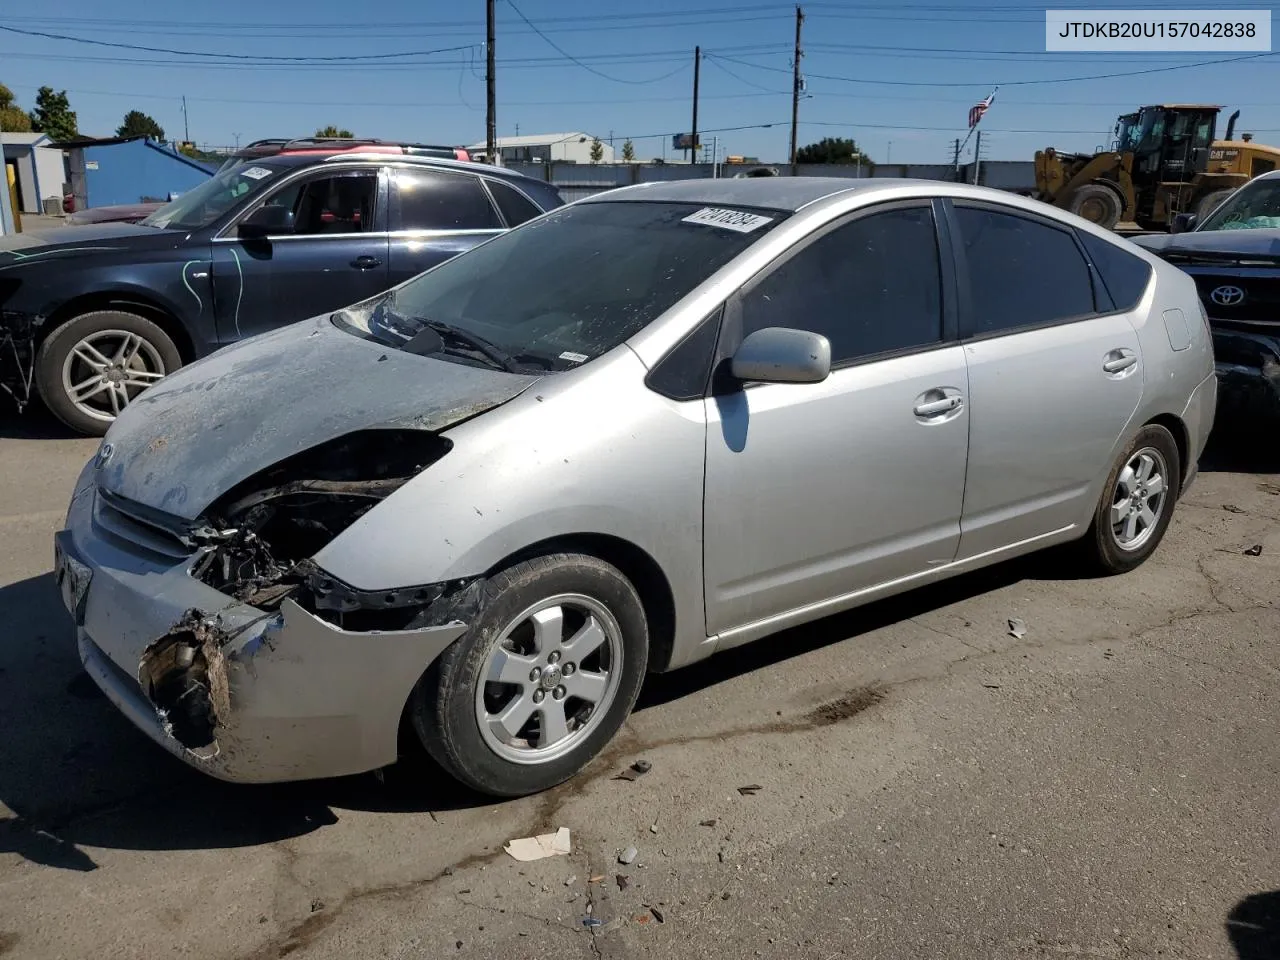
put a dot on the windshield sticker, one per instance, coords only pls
(734, 220)
(255, 173)
(573, 357)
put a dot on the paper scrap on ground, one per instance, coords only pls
(538, 848)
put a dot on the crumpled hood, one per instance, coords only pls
(1263, 242)
(38, 245)
(203, 429)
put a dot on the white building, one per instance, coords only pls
(39, 170)
(542, 148)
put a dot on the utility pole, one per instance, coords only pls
(957, 158)
(186, 126)
(693, 142)
(491, 95)
(977, 156)
(795, 89)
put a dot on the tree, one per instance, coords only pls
(628, 151)
(13, 119)
(53, 115)
(138, 124)
(332, 131)
(832, 150)
(597, 150)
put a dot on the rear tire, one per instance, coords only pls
(1135, 507)
(94, 365)
(567, 635)
(1097, 204)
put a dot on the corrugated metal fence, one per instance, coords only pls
(576, 180)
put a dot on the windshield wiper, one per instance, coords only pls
(441, 330)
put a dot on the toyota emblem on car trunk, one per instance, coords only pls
(1227, 296)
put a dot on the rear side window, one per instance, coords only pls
(870, 287)
(515, 206)
(1022, 273)
(1124, 275)
(436, 200)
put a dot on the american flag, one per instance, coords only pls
(979, 108)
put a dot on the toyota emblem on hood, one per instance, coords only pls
(1228, 296)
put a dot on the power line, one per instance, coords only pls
(1008, 83)
(568, 56)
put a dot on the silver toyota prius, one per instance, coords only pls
(634, 432)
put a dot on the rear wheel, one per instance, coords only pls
(542, 680)
(1137, 502)
(1097, 204)
(93, 366)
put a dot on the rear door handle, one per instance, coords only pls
(1118, 360)
(366, 263)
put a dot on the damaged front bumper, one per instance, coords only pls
(241, 693)
(1248, 368)
(17, 356)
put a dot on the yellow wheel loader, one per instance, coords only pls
(1163, 161)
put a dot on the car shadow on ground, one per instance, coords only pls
(1253, 927)
(1240, 444)
(34, 423)
(75, 773)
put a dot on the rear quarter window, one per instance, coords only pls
(1123, 274)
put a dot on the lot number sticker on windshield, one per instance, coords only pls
(734, 220)
(255, 173)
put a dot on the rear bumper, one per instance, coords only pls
(1198, 416)
(303, 699)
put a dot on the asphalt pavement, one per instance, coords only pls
(929, 785)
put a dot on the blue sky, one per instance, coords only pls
(634, 75)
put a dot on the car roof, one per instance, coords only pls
(776, 193)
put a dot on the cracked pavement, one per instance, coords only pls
(930, 786)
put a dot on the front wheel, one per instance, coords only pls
(1136, 505)
(91, 367)
(542, 680)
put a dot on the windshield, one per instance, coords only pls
(569, 286)
(1254, 206)
(217, 195)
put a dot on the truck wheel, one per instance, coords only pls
(1210, 203)
(93, 365)
(1097, 204)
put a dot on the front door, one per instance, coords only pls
(817, 491)
(329, 251)
(1054, 377)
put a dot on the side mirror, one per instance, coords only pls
(1183, 222)
(783, 355)
(268, 220)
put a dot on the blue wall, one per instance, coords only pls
(129, 172)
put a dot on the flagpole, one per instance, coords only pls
(974, 127)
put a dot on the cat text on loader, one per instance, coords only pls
(1163, 161)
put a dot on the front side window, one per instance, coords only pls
(566, 288)
(336, 204)
(1022, 273)
(870, 287)
(1254, 206)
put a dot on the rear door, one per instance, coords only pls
(818, 491)
(329, 252)
(1055, 375)
(435, 215)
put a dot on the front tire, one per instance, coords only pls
(1137, 503)
(540, 683)
(1097, 204)
(94, 365)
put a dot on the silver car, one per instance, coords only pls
(636, 431)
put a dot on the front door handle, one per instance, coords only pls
(938, 404)
(934, 407)
(1119, 360)
(366, 263)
